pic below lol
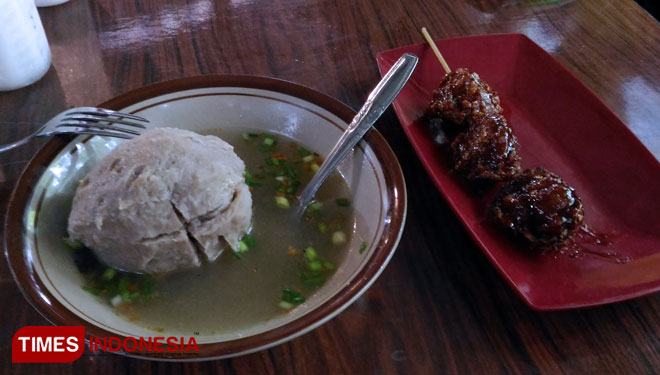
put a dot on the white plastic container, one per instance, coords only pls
(49, 3)
(24, 52)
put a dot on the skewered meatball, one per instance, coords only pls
(461, 96)
(538, 207)
(488, 150)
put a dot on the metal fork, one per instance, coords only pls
(87, 120)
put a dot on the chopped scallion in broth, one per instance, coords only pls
(277, 266)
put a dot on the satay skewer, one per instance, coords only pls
(436, 50)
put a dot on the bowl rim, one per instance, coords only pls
(52, 310)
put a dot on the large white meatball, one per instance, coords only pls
(162, 202)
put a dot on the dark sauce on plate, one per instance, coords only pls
(589, 243)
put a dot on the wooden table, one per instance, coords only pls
(439, 307)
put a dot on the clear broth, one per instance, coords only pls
(231, 294)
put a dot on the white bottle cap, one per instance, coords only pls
(48, 3)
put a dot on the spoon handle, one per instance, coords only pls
(377, 102)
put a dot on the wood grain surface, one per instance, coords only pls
(439, 307)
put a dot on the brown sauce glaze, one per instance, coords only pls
(488, 150)
(539, 208)
(589, 243)
(461, 96)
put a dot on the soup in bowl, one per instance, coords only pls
(286, 276)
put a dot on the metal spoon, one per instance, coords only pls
(378, 100)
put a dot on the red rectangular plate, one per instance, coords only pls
(561, 126)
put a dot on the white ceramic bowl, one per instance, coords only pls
(36, 218)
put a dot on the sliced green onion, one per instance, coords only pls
(123, 284)
(148, 288)
(73, 244)
(308, 159)
(315, 265)
(242, 247)
(293, 188)
(249, 136)
(249, 240)
(343, 202)
(314, 278)
(323, 227)
(108, 274)
(310, 254)
(285, 305)
(338, 238)
(363, 247)
(126, 296)
(268, 143)
(118, 286)
(328, 266)
(315, 206)
(281, 202)
(314, 167)
(249, 180)
(90, 290)
(303, 152)
(236, 254)
(292, 296)
(288, 170)
(281, 178)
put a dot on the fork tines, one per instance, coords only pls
(91, 116)
(105, 113)
(98, 121)
(81, 123)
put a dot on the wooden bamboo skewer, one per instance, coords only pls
(435, 50)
